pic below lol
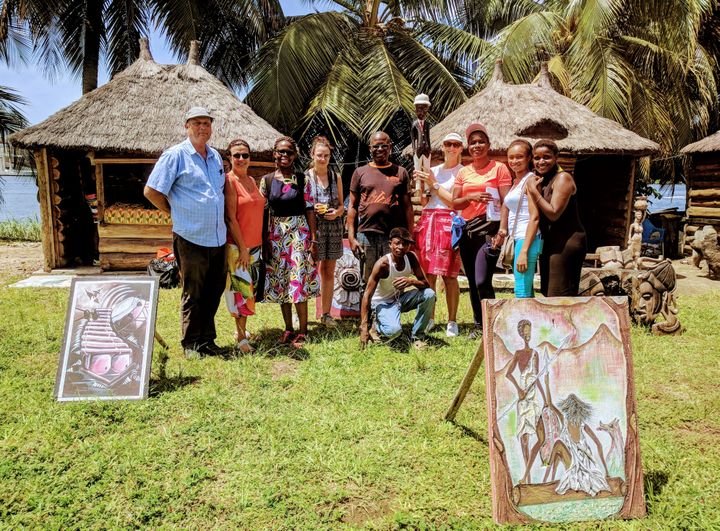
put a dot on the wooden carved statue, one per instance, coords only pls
(420, 136)
(653, 297)
(706, 246)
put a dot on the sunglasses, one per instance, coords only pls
(286, 152)
(453, 144)
(379, 146)
(241, 155)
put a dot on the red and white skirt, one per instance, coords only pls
(433, 242)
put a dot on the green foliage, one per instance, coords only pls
(28, 230)
(341, 438)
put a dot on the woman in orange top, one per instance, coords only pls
(471, 195)
(244, 207)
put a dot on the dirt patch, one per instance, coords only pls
(20, 258)
(357, 511)
(283, 368)
(692, 280)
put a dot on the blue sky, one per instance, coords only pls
(47, 97)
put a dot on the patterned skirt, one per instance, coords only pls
(291, 275)
(433, 241)
(240, 287)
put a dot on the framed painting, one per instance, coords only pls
(108, 341)
(561, 410)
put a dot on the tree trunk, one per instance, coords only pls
(92, 32)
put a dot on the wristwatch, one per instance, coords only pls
(436, 186)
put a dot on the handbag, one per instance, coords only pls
(507, 251)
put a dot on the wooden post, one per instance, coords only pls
(46, 213)
(629, 215)
(100, 192)
(466, 383)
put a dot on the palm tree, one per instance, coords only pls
(11, 119)
(79, 33)
(355, 69)
(641, 63)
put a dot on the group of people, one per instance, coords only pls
(278, 241)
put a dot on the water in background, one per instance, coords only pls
(20, 198)
(672, 197)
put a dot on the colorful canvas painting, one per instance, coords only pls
(109, 332)
(561, 410)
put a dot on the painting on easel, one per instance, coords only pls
(108, 343)
(561, 410)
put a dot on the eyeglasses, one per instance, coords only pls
(453, 145)
(379, 146)
(286, 152)
(241, 155)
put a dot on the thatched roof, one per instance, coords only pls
(708, 144)
(534, 111)
(141, 110)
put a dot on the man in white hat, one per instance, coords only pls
(188, 183)
(420, 136)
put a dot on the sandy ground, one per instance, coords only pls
(20, 257)
(25, 258)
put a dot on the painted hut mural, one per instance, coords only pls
(561, 410)
(703, 186)
(601, 154)
(94, 156)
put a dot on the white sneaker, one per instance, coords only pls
(452, 329)
(430, 326)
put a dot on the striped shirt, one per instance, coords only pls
(194, 188)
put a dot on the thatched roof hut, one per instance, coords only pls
(703, 185)
(94, 156)
(600, 152)
(534, 111)
(141, 110)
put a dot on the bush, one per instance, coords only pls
(23, 230)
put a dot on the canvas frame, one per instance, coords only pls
(507, 496)
(141, 363)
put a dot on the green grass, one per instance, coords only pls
(341, 438)
(21, 230)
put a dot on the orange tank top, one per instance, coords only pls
(249, 213)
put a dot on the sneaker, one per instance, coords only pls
(476, 332)
(208, 349)
(419, 344)
(327, 320)
(374, 335)
(299, 341)
(452, 329)
(287, 337)
(430, 326)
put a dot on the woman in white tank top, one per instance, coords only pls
(522, 224)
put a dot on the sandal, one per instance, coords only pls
(244, 346)
(287, 337)
(299, 341)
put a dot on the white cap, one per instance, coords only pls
(198, 112)
(422, 99)
(452, 137)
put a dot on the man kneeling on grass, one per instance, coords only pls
(385, 293)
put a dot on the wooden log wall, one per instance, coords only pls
(131, 247)
(703, 195)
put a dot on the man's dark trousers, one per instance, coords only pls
(203, 271)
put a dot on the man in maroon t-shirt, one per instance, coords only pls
(380, 201)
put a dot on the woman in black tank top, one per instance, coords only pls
(564, 241)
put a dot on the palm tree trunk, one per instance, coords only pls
(92, 26)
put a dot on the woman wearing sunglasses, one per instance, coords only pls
(290, 250)
(433, 231)
(244, 207)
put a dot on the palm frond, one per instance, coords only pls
(290, 67)
(126, 21)
(425, 72)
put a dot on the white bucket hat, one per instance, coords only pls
(422, 99)
(452, 137)
(198, 112)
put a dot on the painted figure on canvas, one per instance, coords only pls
(107, 344)
(560, 387)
